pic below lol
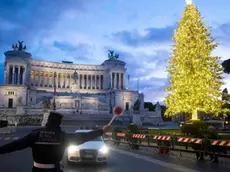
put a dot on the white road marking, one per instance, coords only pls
(156, 161)
(7, 138)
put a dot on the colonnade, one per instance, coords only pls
(16, 75)
(117, 80)
(65, 80)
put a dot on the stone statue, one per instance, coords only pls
(20, 100)
(46, 103)
(116, 56)
(112, 56)
(75, 76)
(19, 46)
(136, 106)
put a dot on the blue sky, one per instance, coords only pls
(83, 31)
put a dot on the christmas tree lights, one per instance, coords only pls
(196, 75)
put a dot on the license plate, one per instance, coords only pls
(88, 156)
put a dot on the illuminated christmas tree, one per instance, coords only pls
(195, 75)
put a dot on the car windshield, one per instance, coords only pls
(97, 139)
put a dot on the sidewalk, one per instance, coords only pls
(7, 130)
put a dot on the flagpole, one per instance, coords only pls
(54, 103)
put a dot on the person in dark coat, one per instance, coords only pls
(214, 149)
(48, 143)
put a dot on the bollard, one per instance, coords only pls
(163, 143)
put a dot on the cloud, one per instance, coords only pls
(145, 66)
(151, 35)
(28, 20)
(82, 50)
(221, 33)
(149, 69)
(68, 30)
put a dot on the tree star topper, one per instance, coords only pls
(188, 2)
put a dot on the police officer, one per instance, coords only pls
(48, 143)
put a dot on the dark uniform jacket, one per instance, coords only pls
(48, 144)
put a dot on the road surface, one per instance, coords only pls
(119, 161)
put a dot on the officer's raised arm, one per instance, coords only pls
(19, 144)
(82, 137)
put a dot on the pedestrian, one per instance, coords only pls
(214, 149)
(48, 143)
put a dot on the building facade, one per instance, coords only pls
(30, 86)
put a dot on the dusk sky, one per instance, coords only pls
(83, 31)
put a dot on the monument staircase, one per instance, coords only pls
(88, 120)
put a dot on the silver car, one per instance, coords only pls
(91, 151)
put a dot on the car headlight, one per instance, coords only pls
(73, 149)
(104, 150)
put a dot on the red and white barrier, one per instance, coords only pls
(189, 140)
(139, 136)
(109, 134)
(121, 134)
(162, 137)
(220, 143)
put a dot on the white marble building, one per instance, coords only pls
(80, 89)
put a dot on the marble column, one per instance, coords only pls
(91, 87)
(80, 82)
(65, 86)
(86, 81)
(124, 85)
(95, 81)
(48, 79)
(34, 79)
(62, 80)
(39, 79)
(13, 79)
(56, 81)
(24, 76)
(119, 80)
(99, 82)
(44, 79)
(18, 81)
(115, 80)
(6, 73)
(70, 80)
(111, 80)
(52, 76)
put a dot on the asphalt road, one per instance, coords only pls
(119, 161)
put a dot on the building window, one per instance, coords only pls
(31, 99)
(127, 106)
(10, 93)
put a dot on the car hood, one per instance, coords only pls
(91, 145)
